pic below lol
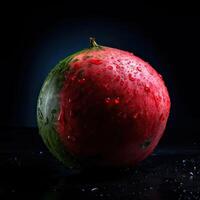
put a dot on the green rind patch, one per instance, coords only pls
(48, 109)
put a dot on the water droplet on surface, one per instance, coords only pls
(69, 100)
(72, 78)
(117, 100)
(117, 66)
(81, 81)
(135, 116)
(94, 189)
(121, 83)
(191, 173)
(95, 61)
(107, 100)
(139, 69)
(110, 67)
(146, 88)
(160, 76)
(71, 138)
(131, 78)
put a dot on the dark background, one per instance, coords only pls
(34, 37)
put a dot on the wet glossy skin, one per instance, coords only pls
(113, 107)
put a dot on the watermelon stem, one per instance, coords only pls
(93, 42)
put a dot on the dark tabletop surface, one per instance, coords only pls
(28, 171)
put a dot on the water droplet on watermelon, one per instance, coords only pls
(160, 76)
(135, 116)
(121, 82)
(110, 67)
(95, 61)
(139, 68)
(146, 88)
(117, 100)
(131, 78)
(71, 138)
(81, 81)
(72, 78)
(107, 100)
(117, 66)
